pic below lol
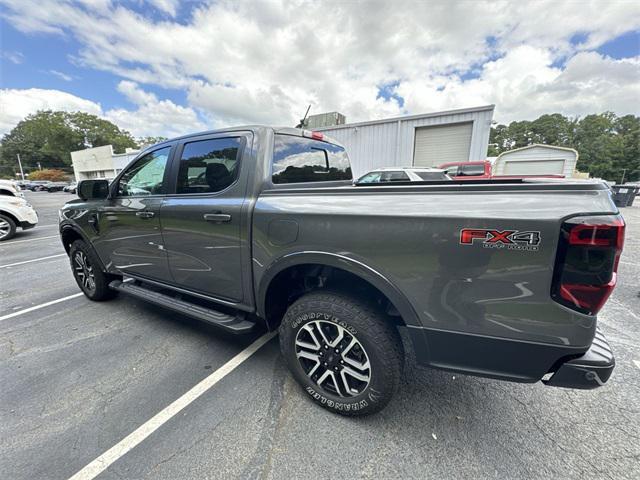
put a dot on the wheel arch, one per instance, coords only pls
(71, 233)
(268, 291)
(11, 216)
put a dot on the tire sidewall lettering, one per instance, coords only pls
(309, 317)
(343, 406)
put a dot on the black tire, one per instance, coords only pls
(378, 340)
(7, 228)
(88, 274)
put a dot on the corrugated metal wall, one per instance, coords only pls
(387, 143)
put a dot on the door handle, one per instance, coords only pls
(145, 214)
(217, 217)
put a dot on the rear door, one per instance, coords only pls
(202, 218)
(128, 225)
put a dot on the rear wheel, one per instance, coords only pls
(93, 282)
(342, 351)
(7, 228)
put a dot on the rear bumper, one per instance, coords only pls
(588, 371)
(514, 360)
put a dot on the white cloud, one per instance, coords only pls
(245, 62)
(61, 75)
(14, 57)
(17, 104)
(151, 117)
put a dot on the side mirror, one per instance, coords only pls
(93, 189)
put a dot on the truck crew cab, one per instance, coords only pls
(261, 228)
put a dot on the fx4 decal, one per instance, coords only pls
(510, 239)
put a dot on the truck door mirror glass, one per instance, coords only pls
(93, 189)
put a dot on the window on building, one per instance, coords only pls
(301, 160)
(209, 166)
(145, 176)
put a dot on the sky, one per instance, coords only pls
(165, 67)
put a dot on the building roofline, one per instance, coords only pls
(555, 147)
(460, 111)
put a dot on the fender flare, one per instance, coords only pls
(361, 270)
(83, 236)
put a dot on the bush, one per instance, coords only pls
(49, 174)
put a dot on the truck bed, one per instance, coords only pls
(410, 236)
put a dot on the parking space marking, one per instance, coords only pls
(28, 240)
(33, 260)
(637, 362)
(103, 462)
(38, 307)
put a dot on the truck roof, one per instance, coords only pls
(299, 132)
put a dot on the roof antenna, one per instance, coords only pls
(301, 124)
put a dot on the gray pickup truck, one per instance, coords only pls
(256, 228)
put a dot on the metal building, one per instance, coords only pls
(421, 140)
(537, 160)
(100, 162)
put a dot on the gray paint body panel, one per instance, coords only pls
(402, 239)
(411, 238)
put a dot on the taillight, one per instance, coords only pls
(587, 261)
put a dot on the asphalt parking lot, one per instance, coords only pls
(78, 377)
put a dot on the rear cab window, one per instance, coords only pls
(471, 170)
(305, 160)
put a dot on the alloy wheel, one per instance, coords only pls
(5, 228)
(84, 271)
(333, 358)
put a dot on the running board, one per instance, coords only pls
(237, 324)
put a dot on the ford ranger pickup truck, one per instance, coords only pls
(258, 228)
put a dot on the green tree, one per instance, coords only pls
(607, 145)
(147, 141)
(48, 137)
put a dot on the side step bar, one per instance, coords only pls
(237, 324)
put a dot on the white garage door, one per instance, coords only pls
(441, 144)
(534, 167)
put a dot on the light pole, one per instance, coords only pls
(20, 165)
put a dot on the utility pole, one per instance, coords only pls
(624, 170)
(20, 164)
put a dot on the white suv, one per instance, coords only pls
(15, 212)
(10, 188)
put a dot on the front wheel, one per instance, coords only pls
(342, 351)
(93, 282)
(7, 228)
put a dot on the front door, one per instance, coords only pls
(128, 226)
(202, 219)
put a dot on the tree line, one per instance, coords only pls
(608, 146)
(44, 140)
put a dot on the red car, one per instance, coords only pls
(481, 170)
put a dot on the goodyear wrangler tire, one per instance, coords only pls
(342, 352)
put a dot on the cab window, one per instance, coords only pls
(302, 160)
(145, 176)
(209, 166)
(472, 170)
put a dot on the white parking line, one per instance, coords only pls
(38, 307)
(33, 260)
(28, 240)
(103, 462)
(637, 362)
